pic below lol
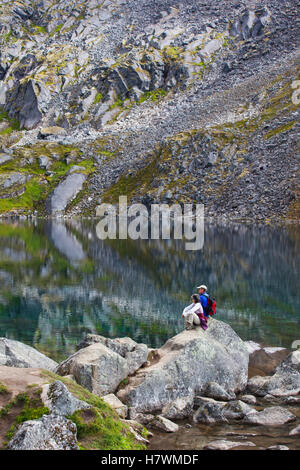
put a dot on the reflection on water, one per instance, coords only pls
(58, 281)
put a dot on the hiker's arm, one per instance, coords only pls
(187, 310)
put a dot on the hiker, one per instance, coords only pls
(203, 297)
(194, 315)
(208, 303)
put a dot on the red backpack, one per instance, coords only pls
(210, 308)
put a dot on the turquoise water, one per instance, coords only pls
(58, 281)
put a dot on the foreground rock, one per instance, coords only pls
(295, 431)
(48, 433)
(273, 416)
(226, 445)
(60, 401)
(16, 354)
(103, 365)
(211, 411)
(285, 382)
(179, 409)
(134, 353)
(214, 390)
(116, 404)
(164, 424)
(188, 362)
(264, 360)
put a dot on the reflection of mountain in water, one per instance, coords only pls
(59, 281)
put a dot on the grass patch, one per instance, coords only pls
(100, 427)
(3, 389)
(280, 130)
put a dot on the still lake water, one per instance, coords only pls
(58, 281)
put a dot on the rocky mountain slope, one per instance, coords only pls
(164, 101)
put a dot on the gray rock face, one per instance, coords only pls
(135, 353)
(65, 192)
(187, 363)
(285, 382)
(214, 390)
(4, 158)
(60, 401)
(179, 409)
(96, 368)
(47, 433)
(116, 404)
(211, 411)
(16, 354)
(164, 424)
(272, 416)
(250, 399)
(23, 105)
(45, 162)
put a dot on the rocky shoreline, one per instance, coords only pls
(197, 378)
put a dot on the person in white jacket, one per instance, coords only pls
(191, 313)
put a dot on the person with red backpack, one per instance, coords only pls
(207, 302)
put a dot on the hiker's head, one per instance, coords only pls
(195, 298)
(202, 289)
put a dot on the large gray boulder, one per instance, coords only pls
(285, 382)
(96, 368)
(272, 416)
(16, 354)
(187, 363)
(51, 432)
(60, 401)
(135, 354)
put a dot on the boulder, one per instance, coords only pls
(214, 390)
(295, 431)
(249, 399)
(211, 411)
(65, 192)
(97, 368)
(278, 447)
(186, 364)
(49, 131)
(51, 432)
(60, 401)
(237, 410)
(164, 424)
(4, 158)
(272, 416)
(226, 445)
(135, 354)
(140, 417)
(264, 360)
(16, 354)
(285, 382)
(45, 162)
(179, 409)
(116, 404)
